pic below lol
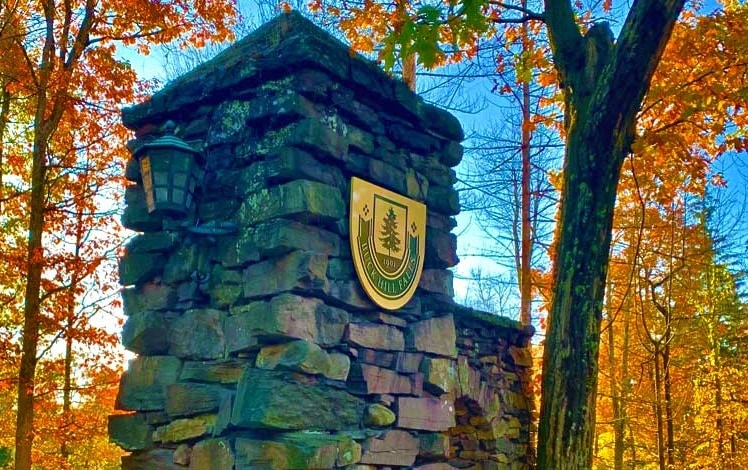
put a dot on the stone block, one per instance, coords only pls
(302, 200)
(320, 139)
(142, 385)
(273, 400)
(154, 459)
(224, 372)
(416, 185)
(284, 106)
(387, 175)
(297, 451)
(137, 268)
(357, 113)
(181, 264)
(393, 447)
(441, 249)
(185, 429)
(212, 454)
(198, 334)
(185, 399)
(408, 362)
(434, 445)
(521, 356)
(409, 137)
(229, 121)
(136, 216)
(280, 236)
(350, 294)
(434, 335)
(443, 199)
(375, 336)
(339, 269)
(225, 286)
(146, 333)
(147, 297)
(223, 418)
(468, 379)
(437, 466)
(378, 416)
(435, 172)
(359, 140)
(236, 251)
(298, 270)
(303, 356)
(439, 375)
(369, 379)
(339, 366)
(130, 432)
(286, 316)
(156, 242)
(443, 122)
(451, 154)
(387, 319)
(428, 414)
(438, 281)
(182, 454)
(376, 357)
(289, 163)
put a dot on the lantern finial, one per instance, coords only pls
(170, 127)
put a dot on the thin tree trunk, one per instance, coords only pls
(45, 122)
(719, 422)
(604, 85)
(622, 418)
(66, 392)
(525, 316)
(32, 306)
(658, 409)
(70, 325)
(4, 112)
(667, 384)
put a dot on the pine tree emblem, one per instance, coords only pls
(389, 233)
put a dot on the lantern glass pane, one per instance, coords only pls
(160, 178)
(177, 196)
(180, 180)
(162, 194)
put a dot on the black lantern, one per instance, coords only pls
(170, 168)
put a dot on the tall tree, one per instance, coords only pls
(65, 70)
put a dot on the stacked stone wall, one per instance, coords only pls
(256, 347)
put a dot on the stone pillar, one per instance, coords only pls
(256, 347)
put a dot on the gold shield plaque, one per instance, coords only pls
(388, 243)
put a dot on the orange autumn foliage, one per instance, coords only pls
(62, 83)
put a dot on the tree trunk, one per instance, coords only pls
(658, 409)
(622, 418)
(75, 280)
(4, 112)
(667, 384)
(525, 316)
(32, 306)
(604, 85)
